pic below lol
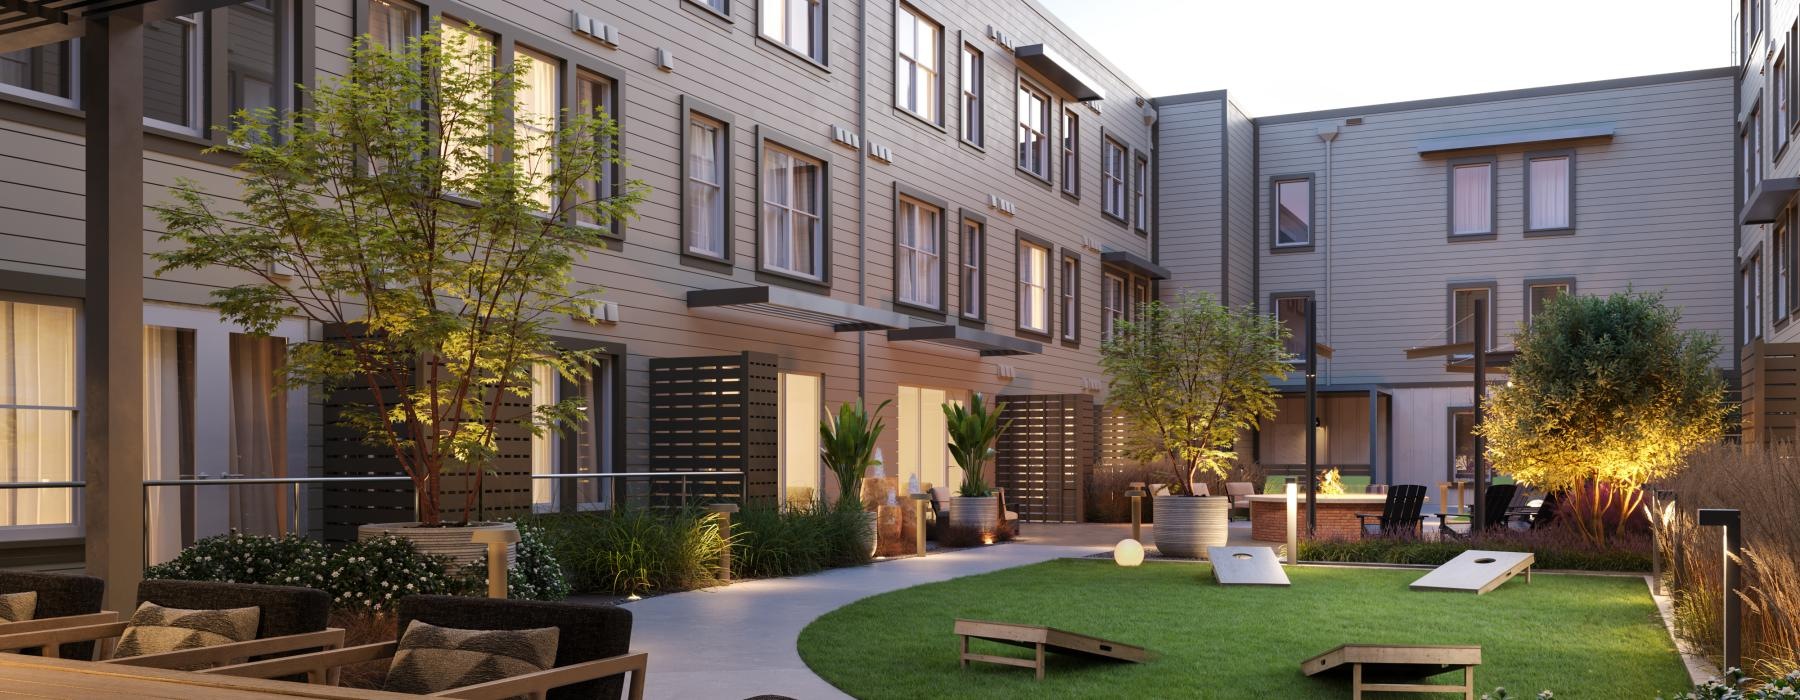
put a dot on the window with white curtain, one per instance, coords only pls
(583, 447)
(1112, 179)
(1034, 131)
(918, 271)
(795, 24)
(1472, 198)
(1550, 181)
(534, 121)
(923, 439)
(1293, 212)
(791, 211)
(974, 281)
(1112, 304)
(706, 172)
(917, 63)
(974, 87)
(472, 55)
(38, 405)
(597, 95)
(173, 85)
(392, 23)
(1069, 293)
(1071, 153)
(1034, 287)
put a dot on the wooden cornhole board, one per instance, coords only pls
(1397, 668)
(1041, 639)
(1246, 566)
(1477, 571)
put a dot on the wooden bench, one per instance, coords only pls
(1040, 639)
(1397, 668)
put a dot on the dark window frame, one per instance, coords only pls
(1451, 412)
(1069, 147)
(967, 217)
(1069, 299)
(1020, 240)
(1493, 229)
(1107, 320)
(765, 136)
(691, 107)
(1493, 303)
(616, 356)
(1022, 84)
(821, 40)
(1750, 297)
(1531, 283)
(1568, 229)
(1107, 142)
(1138, 188)
(943, 206)
(1312, 213)
(1275, 299)
(982, 95)
(937, 85)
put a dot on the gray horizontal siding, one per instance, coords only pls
(1191, 150)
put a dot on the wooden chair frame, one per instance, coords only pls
(51, 623)
(321, 668)
(48, 642)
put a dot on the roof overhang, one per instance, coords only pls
(28, 23)
(1135, 263)
(1451, 144)
(1764, 205)
(987, 343)
(841, 316)
(1060, 71)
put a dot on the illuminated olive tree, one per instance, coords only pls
(426, 209)
(1189, 377)
(1605, 395)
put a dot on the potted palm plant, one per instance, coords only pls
(847, 447)
(973, 431)
(1189, 377)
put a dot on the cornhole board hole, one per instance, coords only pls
(1476, 571)
(1041, 639)
(1246, 566)
(1397, 668)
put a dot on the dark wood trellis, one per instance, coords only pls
(1045, 454)
(715, 413)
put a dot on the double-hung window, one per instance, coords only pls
(38, 405)
(1140, 194)
(918, 269)
(1750, 141)
(1034, 287)
(1290, 311)
(974, 86)
(597, 95)
(256, 51)
(917, 42)
(1071, 153)
(704, 217)
(1112, 179)
(1034, 131)
(172, 74)
(1112, 303)
(795, 24)
(1472, 197)
(1293, 209)
(792, 212)
(1778, 86)
(1751, 296)
(1550, 192)
(1539, 295)
(534, 122)
(973, 282)
(1781, 252)
(1462, 311)
(393, 23)
(470, 55)
(1069, 282)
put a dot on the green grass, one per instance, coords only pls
(1581, 636)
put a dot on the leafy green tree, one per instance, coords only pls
(1605, 395)
(423, 214)
(1189, 377)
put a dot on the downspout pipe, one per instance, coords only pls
(1329, 136)
(862, 192)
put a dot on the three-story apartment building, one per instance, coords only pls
(1767, 179)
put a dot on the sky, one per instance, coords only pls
(1285, 56)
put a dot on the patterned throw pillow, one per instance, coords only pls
(155, 629)
(18, 607)
(430, 659)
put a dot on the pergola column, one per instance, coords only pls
(112, 53)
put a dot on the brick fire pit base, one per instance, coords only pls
(1337, 515)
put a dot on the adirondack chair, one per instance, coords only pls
(1494, 512)
(1399, 513)
(1540, 517)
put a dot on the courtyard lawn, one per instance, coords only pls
(1580, 636)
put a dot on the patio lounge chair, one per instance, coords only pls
(1009, 520)
(63, 600)
(592, 651)
(1240, 493)
(1540, 516)
(1495, 508)
(1400, 512)
(289, 619)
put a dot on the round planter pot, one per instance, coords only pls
(1187, 525)
(978, 513)
(451, 541)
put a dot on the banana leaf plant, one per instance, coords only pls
(847, 446)
(973, 432)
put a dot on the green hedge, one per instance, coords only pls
(768, 542)
(1552, 549)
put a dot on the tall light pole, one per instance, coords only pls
(1312, 418)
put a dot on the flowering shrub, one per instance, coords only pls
(370, 574)
(365, 575)
(1737, 686)
(291, 560)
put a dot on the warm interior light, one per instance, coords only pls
(1128, 552)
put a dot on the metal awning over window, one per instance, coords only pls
(1515, 138)
(29, 23)
(987, 343)
(1060, 71)
(1135, 263)
(1764, 205)
(796, 305)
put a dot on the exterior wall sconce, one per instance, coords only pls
(1729, 519)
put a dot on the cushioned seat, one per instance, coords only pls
(585, 632)
(58, 595)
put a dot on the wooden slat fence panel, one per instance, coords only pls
(1045, 454)
(715, 413)
(1769, 392)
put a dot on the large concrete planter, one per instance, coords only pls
(1187, 525)
(975, 513)
(448, 541)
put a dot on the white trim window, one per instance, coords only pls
(1140, 193)
(792, 208)
(39, 406)
(974, 86)
(795, 24)
(173, 52)
(706, 169)
(1112, 304)
(1034, 287)
(917, 63)
(1034, 131)
(973, 282)
(394, 23)
(535, 112)
(918, 270)
(1112, 179)
(1471, 199)
(1071, 153)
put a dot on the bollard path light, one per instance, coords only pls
(1293, 543)
(724, 511)
(1729, 520)
(1137, 513)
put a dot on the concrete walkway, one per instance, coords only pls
(738, 641)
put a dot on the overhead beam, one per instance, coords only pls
(52, 30)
